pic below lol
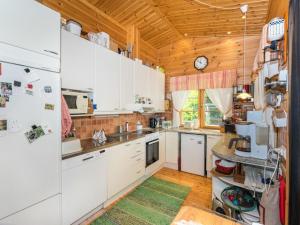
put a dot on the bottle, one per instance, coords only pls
(126, 127)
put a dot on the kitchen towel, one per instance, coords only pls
(66, 120)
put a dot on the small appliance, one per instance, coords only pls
(77, 102)
(153, 122)
(253, 139)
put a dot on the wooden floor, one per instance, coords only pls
(200, 195)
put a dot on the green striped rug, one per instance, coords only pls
(154, 202)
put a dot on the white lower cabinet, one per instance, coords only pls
(162, 147)
(126, 164)
(172, 147)
(211, 141)
(193, 154)
(84, 185)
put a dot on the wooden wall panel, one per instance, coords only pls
(222, 53)
(94, 20)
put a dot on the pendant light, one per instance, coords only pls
(244, 95)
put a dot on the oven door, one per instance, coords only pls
(152, 152)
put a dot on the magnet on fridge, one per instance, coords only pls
(49, 106)
(27, 70)
(3, 127)
(14, 125)
(48, 89)
(35, 133)
(0, 69)
(47, 129)
(17, 83)
(29, 86)
(2, 102)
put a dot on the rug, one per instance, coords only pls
(154, 202)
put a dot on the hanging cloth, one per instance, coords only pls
(179, 98)
(66, 120)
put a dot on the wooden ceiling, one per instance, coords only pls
(162, 22)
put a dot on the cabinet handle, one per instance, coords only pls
(127, 145)
(88, 158)
(138, 172)
(139, 151)
(52, 52)
(138, 143)
(199, 142)
(101, 152)
(192, 139)
(138, 159)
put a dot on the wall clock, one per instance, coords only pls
(201, 62)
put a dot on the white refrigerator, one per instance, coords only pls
(30, 114)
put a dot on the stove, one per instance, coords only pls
(152, 148)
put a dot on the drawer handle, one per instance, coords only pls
(138, 172)
(127, 145)
(138, 159)
(101, 152)
(199, 142)
(139, 143)
(139, 151)
(88, 158)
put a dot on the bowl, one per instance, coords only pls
(74, 27)
(224, 169)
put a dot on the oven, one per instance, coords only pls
(152, 152)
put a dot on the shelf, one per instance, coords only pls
(230, 181)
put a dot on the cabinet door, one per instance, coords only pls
(162, 147)
(161, 103)
(77, 62)
(31, 26)
(107, 80)
(126, 83)
(172, 147)
(193, 154)
(117, 174)
(211, 141)
(141, 80)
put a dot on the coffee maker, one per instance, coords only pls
(153, 122)
(253, 137)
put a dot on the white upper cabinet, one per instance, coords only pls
(126, 83)
(31, 26)
(107, 80)
(141, 83)
(161, 103)
(77, 62)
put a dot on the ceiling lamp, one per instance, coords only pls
(244, 95)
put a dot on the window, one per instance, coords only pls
(212, 116)
(190, 111)
(199, 108)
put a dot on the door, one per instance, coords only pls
(30, 167)
(172, 147)
(77, 62)
(141, 80)
(30, 25)
(83, 186)
(107, 80)
(211, 141)
(126, 83)
(193, 154)
(152, 152)
(162, 147)
(47, 212)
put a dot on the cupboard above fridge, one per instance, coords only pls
(114, 79)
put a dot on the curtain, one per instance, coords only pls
(179, 98)
(259, 90)
(222, 99)
(219, 79)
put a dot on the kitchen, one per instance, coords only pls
(148, 112)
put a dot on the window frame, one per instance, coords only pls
(201, 112)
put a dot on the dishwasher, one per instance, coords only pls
(84, 185)
(193, 154)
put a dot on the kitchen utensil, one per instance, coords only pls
(103, 39)
(74, 27)
(241, 143)
(139, 126)
(93, 37)
(225, 167)
(153, 122)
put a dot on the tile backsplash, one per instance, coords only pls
(85, 126)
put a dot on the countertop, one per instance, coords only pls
(89, 145)
(221, 150)
(201, 216)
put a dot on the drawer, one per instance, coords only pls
(138, 159)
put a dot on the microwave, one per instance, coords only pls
(77, 102)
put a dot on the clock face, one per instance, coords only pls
(201, 63)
